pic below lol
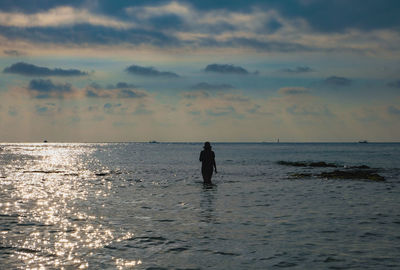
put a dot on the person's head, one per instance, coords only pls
(207, 146)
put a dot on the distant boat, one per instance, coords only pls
(153, 142)
(363, 142)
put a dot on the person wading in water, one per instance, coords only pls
(207, 158)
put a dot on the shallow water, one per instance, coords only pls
(140, 205)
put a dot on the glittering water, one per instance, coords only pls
(143, 206)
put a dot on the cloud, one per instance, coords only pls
(47, 89)
(211, 87)
(13, 53)
(196, 95)
(258, 26)
(309, 110)
(293, 91)
(393, 110)
(395, 84)
(297, 70)
(46, 109)
(60, 16)
(25, 69)
(226, 69)
(260, 44)
(116, 108)
(92, 93)
(221, 111)
(120, 90)
(12, 111)
(121, 85)
(202, 103)
(85, 34)
(125, 93)
(337, 81)
(149, 72)
(142, 110)
(238, 98)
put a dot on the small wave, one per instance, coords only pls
(165, 220)
(150, 239)
(177, 249)
(46, 172)
(284, 264)
(332, 259)
(226, 253)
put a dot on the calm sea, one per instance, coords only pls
(143, 206)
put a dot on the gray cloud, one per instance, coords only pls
(337, 81)
(149, 72)
(297, 70)
(116, 108)
(46, 109)
(196, 94)
(309, 111)
(266, 46)
(368, 15)
(395, 84)
(293, 91)
(47, 89)
(41, 109)
(121, 85)
(119, 90)
(26, 69)
(92, 93)
(13, 52)
(210, 87)
(233, 97)
(226, 69)
(125, 93)
(221, 111)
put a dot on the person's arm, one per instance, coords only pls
(214, 164)
(201, 156)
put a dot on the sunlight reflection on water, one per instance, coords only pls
(51, 229)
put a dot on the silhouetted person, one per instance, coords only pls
(207, 158)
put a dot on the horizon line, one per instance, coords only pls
(218, 142)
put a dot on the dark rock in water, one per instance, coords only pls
(320, 164)
(360, 167)
(292, 163)
(353, 174)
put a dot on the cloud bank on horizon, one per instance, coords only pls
(194, 70)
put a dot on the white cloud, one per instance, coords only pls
(170, 8)
(60, 16)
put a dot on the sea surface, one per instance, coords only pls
(143, 206)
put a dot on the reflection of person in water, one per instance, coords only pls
(207, 158)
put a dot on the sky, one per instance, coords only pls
(200, 70)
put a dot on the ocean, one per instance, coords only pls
(143, 206)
